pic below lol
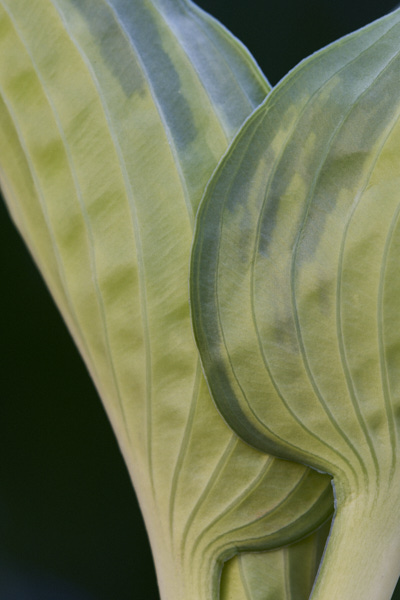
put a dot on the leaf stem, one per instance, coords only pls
(362, 557)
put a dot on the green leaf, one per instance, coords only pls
(287, 573)
(113, 116)
(295, 290)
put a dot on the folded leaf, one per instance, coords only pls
(287, 573)
(113, 116)
(295, 288)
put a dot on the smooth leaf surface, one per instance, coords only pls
(295, 287)
(113, 116)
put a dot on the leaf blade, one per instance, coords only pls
(101, 118)
(263, 263)
(287, 573)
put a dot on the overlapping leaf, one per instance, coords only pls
(287, 573)
(295, 288)
(113, 115)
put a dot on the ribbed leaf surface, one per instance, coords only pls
(295, 287)
(294, 262)
(113, 115)
(284, 574)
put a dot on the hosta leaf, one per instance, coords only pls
(295, 289)
(287, 573)
(113, 115)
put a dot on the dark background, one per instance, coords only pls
(70, 527)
